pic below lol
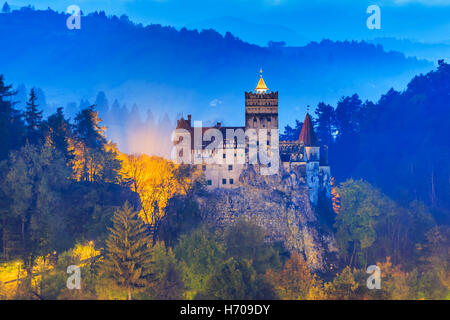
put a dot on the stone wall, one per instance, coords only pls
(280, 204)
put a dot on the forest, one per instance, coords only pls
(68, 196)
(169, 65)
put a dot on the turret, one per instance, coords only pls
(310, 142)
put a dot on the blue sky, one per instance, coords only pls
(295, 21)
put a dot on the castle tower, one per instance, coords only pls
(312, 156)
(261, 107)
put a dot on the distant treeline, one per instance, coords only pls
(400, 144)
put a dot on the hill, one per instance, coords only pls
(186, 70)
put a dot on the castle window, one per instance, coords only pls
(224, 181)
(209, 182)
(230, 167)
(224, 155)
(268, 142)
(204, 168)
(231, 181)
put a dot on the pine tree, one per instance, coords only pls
(324, 123)
(6, 8)
(128, 251)
(33, 119)
(88, 129)
(11, 124)
(58, 133)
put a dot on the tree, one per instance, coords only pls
(102, 104)
(95, 160)
(88, 129)
(361, 204)
(128, 251)
(347, 116)
(292, 134)
(33, 119)
(245, 240)
(156, 180)
(34, 182)
(295, 281)
(200, 253)
(167, 275)
(6, 8)
(59, 134)
(11, 124)
(324, 123)
(343, 286)
(236, 279)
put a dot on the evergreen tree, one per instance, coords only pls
(347, 116)
(58, 133)
(292, 134)
(6, 8)
(34, 183)
(33, 119)
(11, 124)
(102, 104)
(88, 129)
(324, 123)
(245, 240)
(236, 279)
(128, 251)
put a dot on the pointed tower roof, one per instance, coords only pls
(307, 136)
(261, 87)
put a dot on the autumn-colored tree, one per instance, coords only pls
(156, 180)
(343, 286)
(128, 251)
(436, 274)
(95, 159)
(295, 281)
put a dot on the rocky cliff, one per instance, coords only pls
(280, 204)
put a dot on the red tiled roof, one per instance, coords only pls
(307, 136)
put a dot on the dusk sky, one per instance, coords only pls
(296, 22)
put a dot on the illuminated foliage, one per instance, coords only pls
(95, 159)
(156, 180)
(343, 286)
(295, 281)
(336, 199)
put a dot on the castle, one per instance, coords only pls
(302, 159)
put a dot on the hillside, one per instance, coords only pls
(182, 70)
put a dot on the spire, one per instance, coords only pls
(261, 87)
(307, 136)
